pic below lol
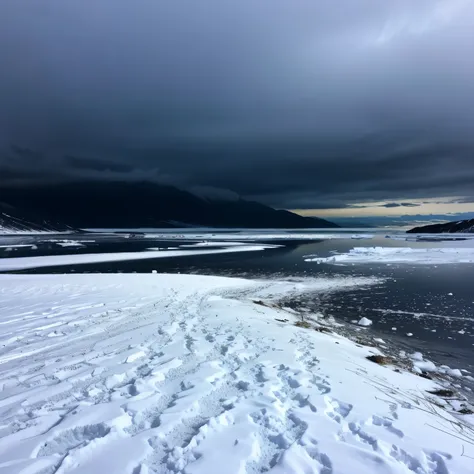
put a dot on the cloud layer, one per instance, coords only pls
(299, 104)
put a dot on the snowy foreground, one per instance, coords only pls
(433, 255)
(140, 374)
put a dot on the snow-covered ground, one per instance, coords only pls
(23, 263)
(138, 374)
(434, 255)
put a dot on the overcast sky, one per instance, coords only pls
(301, 104)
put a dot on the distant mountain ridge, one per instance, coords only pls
(465, 226)
(133, 205)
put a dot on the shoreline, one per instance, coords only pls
(393, 351)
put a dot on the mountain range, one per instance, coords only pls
(110, 204)
(465, 226)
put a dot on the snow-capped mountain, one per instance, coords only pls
(16, 225)
(466, 226)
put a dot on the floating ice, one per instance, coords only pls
(401, 255)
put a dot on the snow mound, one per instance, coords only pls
(425, 366)
(420, 365)
(365, 322)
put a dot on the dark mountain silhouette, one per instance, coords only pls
(134, 205)
(466, 226)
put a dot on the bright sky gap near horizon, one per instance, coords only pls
(364, 110)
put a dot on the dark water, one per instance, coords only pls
(433, 303)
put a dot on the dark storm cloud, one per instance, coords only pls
(97, 165)
(400, 204)
(464, 200)
(298, 104)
